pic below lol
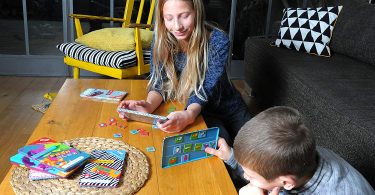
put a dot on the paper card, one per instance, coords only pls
(43, 140)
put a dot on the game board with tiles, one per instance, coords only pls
(184, 148)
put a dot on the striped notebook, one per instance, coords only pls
(104, 169)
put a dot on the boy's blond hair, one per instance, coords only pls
(276, 142)
(166, 47)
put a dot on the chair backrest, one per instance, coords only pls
(129, 10)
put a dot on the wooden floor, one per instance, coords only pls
(18, 119)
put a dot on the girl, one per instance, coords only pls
(188, 65)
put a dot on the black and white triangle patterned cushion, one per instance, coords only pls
(308, 29)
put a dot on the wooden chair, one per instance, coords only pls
(140, 68)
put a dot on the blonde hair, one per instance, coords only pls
(166, 47)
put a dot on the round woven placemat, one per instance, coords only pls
(135, 174)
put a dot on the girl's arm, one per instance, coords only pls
(193, 110)
(154, 99)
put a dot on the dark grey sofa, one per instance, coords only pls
(336, 95)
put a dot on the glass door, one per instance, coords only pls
(31, 29)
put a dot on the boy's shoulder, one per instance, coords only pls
(334, 173)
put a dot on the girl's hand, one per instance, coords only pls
(224, 151)
(177, 121)
(137, 105)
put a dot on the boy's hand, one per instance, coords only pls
(250, 189)
(224, 151)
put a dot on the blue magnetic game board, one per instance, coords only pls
(184, 148)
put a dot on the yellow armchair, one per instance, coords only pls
(140, 67)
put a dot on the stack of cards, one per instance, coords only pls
(50, 157)
(104, 169)
(104, 95)
(143, 117)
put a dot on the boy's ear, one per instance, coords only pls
(288, 181)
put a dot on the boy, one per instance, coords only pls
(277, 153)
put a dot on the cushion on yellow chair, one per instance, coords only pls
(115, 39)
(114, 59)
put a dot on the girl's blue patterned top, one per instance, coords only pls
(222, 97)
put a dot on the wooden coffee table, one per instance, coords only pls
(70, 117)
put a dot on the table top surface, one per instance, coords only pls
(71, 116)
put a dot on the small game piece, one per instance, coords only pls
(171, 109)
(102, 124)
(134, 131)
(187, 147)
(176, 149)
(112, 121)
(155, 127)
(198, 146)
(144, 133)
(117, 135)
(172, 160)
(194, 136)
(150, 149)
(178, 139)
(141, 130)
(121, 126)
(184, 157)
(142, 117)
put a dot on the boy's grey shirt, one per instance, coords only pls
(333, 176)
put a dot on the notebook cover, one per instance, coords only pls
(103, 169)
(188, 147)
(57, 155)
(38, 175)
(43, 140)
(104, 95)
(24, 161)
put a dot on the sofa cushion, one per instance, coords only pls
(354, 34)
(336, 95)
(308, 29)
(113, 59)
